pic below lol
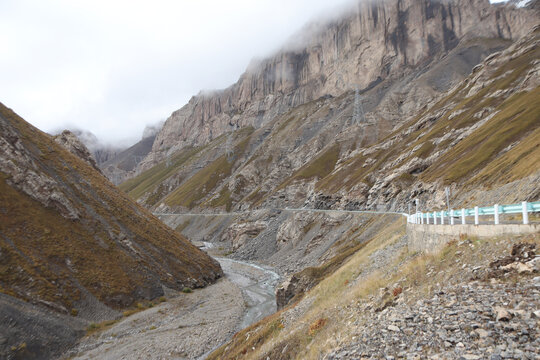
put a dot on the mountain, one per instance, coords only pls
(100, 151)
(353, 288)
(374, 41)
(391, 102)
(73, 248)
(305, 137)
(122, 164)
(120, 167)
(480, 139)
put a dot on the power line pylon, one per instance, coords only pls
(229, 149)
(358, 115)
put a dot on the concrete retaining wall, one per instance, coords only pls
(430, 238)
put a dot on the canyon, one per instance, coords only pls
(266, 220)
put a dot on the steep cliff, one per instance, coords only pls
(73, 247)
(373, 41)
(326, 154)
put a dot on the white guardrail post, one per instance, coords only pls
(463, 222)
(422, 218)
(476, 220)
(525, 213)
(442, 217)
(435, 217)
(451, 217)
(496, 214)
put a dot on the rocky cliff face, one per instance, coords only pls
(374, 41)
(418, 134)
(71, 142)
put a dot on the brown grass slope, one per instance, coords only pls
(502, 143)
(116, 250)
(359, 289)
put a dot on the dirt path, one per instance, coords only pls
(188, 326)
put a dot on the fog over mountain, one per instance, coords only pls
(112, 69)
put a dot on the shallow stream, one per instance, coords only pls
(258, 286)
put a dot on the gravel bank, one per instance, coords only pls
(188, 326)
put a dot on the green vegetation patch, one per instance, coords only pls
(151, 178)
(196, 188)
(224, 199)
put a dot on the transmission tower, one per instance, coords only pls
(229, 149)
(358, 116)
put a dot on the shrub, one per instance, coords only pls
(316, 326)
(187, 290)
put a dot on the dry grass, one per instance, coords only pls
(149, 180)
(196, 188)
(477, 159)
(47, 257)
(331, 304)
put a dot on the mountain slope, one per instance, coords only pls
(118, 168)
(70, 242)
(314, 155)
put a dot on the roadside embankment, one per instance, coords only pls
(431, 238)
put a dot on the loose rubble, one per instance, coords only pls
(493, 318)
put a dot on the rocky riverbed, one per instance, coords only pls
(189, 325)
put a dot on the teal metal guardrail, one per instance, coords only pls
(439, 217)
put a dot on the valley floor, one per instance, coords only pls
(188, 326)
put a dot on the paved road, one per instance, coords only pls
(484, 219)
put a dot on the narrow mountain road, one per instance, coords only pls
(280, 209)
(189, 326)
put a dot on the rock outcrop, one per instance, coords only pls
(24, 174)
(239, 234)
(71, 142)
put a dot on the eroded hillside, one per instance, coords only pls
(74, 247)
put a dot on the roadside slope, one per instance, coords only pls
(385, 301)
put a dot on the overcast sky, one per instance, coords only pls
(113, 66)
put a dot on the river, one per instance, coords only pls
(189, 326)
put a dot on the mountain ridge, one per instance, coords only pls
(325, 66)
(73, 246)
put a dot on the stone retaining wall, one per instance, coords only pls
(430, 238)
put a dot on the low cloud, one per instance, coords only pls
(113, 67)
